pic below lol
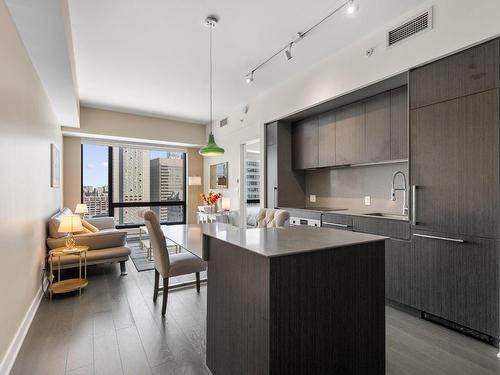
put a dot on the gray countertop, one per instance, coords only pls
(349, 212)
(269, 242)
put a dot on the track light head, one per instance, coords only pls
(288, 52)
(249, 77)
(352, 7)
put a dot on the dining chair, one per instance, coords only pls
(169, 265)
(269, 218)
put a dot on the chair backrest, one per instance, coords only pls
(268, 218)
(158, 243)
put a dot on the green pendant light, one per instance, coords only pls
(211, 149)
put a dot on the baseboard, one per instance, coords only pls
(18, 339)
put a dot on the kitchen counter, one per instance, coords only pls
(350, 212)
(275, 242)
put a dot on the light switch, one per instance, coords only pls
(368, 200)
(312, 198)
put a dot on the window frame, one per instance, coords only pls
(113, 205)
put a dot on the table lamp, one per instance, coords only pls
(69, 225)
(226, 203)
(81, 208)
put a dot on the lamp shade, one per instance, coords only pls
(211, 149)
(226, 203)
(70, 224)
(81, 208)
(194, 180)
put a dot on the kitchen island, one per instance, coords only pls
(296, 300)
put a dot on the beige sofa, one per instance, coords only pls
(106, 246)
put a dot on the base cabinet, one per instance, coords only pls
(458, 281)
(399, 272)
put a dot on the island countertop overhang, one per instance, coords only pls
(276, 242)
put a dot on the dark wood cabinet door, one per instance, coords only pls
(378, 128)
(399, 123)
(455, 165)
(458, 281)
(305, 143)
(326, 139)
(399, 272)
(385, 227)
(468, 72)
(350, 134)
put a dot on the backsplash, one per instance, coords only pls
(347, 187)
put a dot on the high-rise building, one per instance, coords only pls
(130, 181)
(167, 184)
(96, 200)
(253, 179)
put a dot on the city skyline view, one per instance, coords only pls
(138, 175)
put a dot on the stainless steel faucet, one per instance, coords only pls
(404, 189)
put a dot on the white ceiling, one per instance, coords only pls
(151, 56)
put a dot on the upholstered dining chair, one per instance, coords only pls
(268, 218)
(169, 265)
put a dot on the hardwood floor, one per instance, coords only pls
(115, 328)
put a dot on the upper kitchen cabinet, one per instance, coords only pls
(350, 134)
(455, 166)
(465, 73)
(399, 123)
(305, 143)
(326, 141)
(378, 128)
(284, 186)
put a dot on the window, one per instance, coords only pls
(142, 178)
(95, 186)
(252, 180)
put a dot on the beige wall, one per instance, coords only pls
(195, 168)
(27, 128)
(72, 171)
(135, 127)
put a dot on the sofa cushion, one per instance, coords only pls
(89, 226)
(55, 221)
(111, 254)
(101, 240)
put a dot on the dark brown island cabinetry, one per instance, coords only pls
(367, 131)
(455, 177)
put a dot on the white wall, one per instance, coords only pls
(457, 24)
(27, 127)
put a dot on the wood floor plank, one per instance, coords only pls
(115, 328)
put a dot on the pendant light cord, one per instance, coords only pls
(210, 75)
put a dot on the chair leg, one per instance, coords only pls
(198, 282)
(157, 285)
(123, 268)
(165, 296)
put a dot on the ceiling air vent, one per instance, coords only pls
(416, 25)
(223, 122)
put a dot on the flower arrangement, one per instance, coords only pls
(211, 198)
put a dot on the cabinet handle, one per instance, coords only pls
(336, 224)
(413, 204)
(275, 197)
(439, 238)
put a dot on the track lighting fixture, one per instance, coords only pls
(249, 77)
(350, 7)
(288, 52)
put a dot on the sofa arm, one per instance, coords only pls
(105, 222)
(95, 241)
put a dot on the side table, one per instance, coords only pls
(68, 285)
